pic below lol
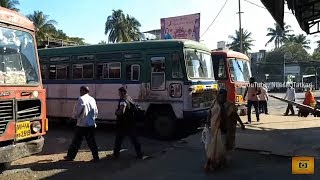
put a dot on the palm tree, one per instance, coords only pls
(44, 25)
(122, 28)
(10, 4)
(246, 41)
(278, 35)
(299, 39)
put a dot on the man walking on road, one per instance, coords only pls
(126, 124)
(253, 99)
(85, 111)
(263, 97)
(291, 96)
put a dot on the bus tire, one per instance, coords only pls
(4, 166)
(164, 124)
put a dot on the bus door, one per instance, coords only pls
(133, 78)
(156, 86)
(220, 70)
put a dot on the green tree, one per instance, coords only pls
(299, 39)
(76, 40)
(102, 42)
(44, 25)
(246, 41)
(278, 36)
(299, 54)
(122, 28)
(10, 4)
(316, 55)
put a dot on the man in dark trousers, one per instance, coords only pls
(85, 111)
(126, 124)
(253, 99)
(291, 96)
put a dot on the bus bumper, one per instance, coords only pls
(199, 115)
(20, 150)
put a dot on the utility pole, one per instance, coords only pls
(240, 28)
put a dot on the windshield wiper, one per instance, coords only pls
(201, 66)
(239, 66)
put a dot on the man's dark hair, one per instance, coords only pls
(252, 80)
(85, 89)
(223, 91)
(123, 90)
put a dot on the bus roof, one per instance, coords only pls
(137, 45)
(231, 54)
(16, 19)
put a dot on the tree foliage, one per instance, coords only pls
(102, 42)
(299, 54)
(277, 35)
(10, 4)
(299, 39)
(122, 28)
(45, 28)
(246, 40)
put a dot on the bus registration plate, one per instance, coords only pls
(23, 130)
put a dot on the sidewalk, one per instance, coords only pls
(282, 135)
(275, 134)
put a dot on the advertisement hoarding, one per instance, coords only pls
(181, 27)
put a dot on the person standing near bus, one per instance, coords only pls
(85, 111)
(125, 124)
(253, 92)
(291, 96)
(263, 99)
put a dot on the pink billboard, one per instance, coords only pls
(181, 27)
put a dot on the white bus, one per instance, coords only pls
(172, 80)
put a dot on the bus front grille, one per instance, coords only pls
(203, 99)
(28, 109)
(6, 114)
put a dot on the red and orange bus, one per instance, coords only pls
(232, 70)
(23, 119)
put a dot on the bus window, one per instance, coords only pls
(176, 66)
(133, 72)
(239, 69)
(158, 73)
(62, 72)
(82, 71)
(44, 71)
(114, 70)
(199, 64)
(52, 72)
(222, 69)
(77, 71)
(87, 71)
(99, 71)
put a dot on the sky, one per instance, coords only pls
(85, 19)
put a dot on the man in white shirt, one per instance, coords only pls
(253, 92)
(263, 99)
(85, 111)
(291, 96)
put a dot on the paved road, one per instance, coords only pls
(186, 162)
(172, 160)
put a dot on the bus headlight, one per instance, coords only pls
(35, 94)
(36, 126)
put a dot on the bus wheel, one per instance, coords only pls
(164, 125)
(4, 166)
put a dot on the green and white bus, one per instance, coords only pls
(172, 80)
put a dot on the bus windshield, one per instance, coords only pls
(18, 62)
(239, 69)
(199, 65)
